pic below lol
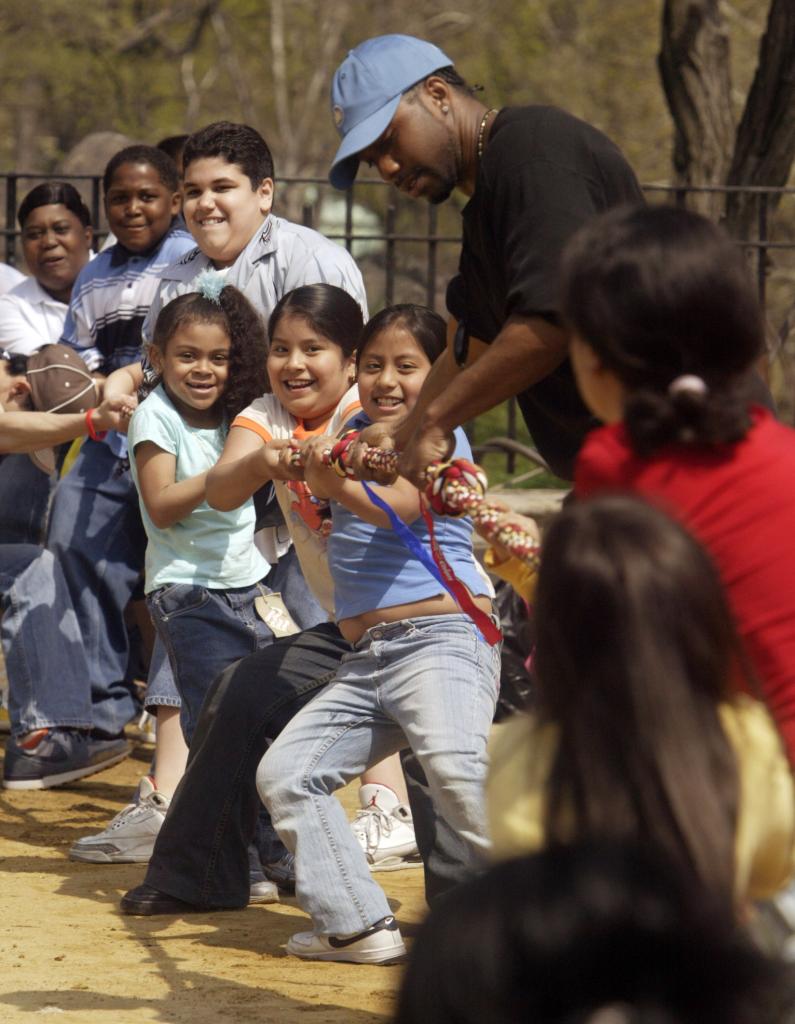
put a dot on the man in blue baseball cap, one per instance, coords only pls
(533, 175)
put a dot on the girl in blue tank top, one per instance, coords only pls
(419, 674)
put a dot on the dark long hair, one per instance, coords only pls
(329, 310)
(426, 327)
(658, 293)
(636, 649)
(555, 937)
(248, 377)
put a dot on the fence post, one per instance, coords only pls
(11, 212)
(430, 272)
(95, 205)
(391, 212)
(761, 258)
(349, 220)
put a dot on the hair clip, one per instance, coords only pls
(209, 284)
(687, 384)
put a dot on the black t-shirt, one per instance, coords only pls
(543, 174)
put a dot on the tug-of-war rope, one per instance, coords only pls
(455, 488)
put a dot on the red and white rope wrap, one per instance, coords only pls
(456, 488)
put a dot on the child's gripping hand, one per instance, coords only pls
(276, 456)
(321, 479)
(114, 413)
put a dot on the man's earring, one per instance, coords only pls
(445, 109)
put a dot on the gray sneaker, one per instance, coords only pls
(55, 756)
(261, 890)
(130, 837)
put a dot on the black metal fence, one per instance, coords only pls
(408, 251)
(409, 242)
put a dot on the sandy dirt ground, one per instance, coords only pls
(67, 953)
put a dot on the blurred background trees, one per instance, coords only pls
(148, 68)
(696, 92)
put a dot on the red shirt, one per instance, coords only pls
(739, 500)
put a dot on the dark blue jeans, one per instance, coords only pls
(201, 851)
(204, 631)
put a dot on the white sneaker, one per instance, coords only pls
(130, 837)
(381, 943)
(385, 830)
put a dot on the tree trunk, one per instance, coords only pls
(765, 146)
(694, 68)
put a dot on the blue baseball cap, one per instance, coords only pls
(366, 91)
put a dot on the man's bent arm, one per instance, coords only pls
(526, 350)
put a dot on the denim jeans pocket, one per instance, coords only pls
(177, 598)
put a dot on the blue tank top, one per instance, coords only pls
(372, 569)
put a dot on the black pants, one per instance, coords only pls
(201, 852)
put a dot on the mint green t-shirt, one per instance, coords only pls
(209, 548)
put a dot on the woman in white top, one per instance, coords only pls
(56, 242)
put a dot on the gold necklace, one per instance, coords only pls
(482, 130)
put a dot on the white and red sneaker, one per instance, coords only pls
(385, 830)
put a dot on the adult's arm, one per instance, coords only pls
(526, 350)
(29, 431)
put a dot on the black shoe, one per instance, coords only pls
(144, 900)
(282, 872)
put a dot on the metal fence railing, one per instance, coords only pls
(399, 224)
(408, 251)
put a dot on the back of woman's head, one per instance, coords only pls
(635, 650)
(247, 376)
(589, 933)
(54, 193)
(426, 327)
(329, 310)
(662, 294)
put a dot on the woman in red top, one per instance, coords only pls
(666, 329)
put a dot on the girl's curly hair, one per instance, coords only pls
(247, 378)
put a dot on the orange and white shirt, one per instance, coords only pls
(268, 418)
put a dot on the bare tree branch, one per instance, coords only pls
(150, 28)
(694, 68)
(233, 68)
(279, 69)
(765, 145)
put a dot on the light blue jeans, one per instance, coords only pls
(98, 538)
(429, 683)
(46, 665)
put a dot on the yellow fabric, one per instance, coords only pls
(520, 575)
(71, 455)
(521, 752)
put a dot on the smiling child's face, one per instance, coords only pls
(308, 372)
(392, 370)
(221, 208)
(139, 206)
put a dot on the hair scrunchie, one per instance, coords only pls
(688, 384)
(210, 284)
